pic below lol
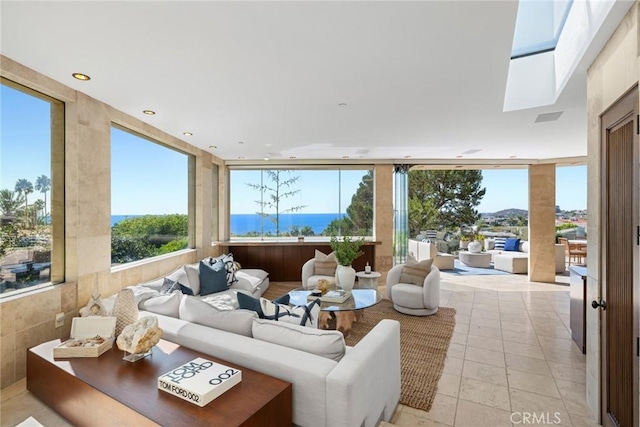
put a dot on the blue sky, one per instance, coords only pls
(25, 141)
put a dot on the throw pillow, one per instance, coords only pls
(325, 265)
(248, 302)
(193, 275)
(169, 286)
(512, 245)
(167, 305)
(304, 315)
(229, 265)
(415, 273)
(499, 243)
(213, 278)
(329, 344)
(236, 321)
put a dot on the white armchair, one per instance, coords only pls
(310, 279)
(411, 299)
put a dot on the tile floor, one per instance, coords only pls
(511, 353)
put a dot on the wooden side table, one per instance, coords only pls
(368, 280)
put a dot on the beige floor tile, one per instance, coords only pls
(547, 409)
(456, 350)
(553, 331)
(443, 409)
(524, 337)
(409, 419)
(561, 371)
(486, 306)
(557, 344)
(574, 397)
(488, 314)
(484, 342)
(533, 383)
(528, 364)
(484, 393)
(519, 318)
(462, 318)
(481, 321)
(452, 366)
(484, 372)
(470, 414)
(573, 357)
(520, 349)
(584, 421)
(516, 327)
(485, 331)
(459, 338)
(482, 355)
(449, 385)
(541, 316)
(462, 328)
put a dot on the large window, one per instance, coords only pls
(31, 189)
(150, 206)
(286, 203)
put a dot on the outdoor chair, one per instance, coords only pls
(575, 252)
(408, 298)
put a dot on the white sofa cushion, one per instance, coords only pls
(167, 305)
(253, 276)
(193, 275)
(329, 344)
(193, 310)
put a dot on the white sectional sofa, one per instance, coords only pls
(517, 262)
(351, 386)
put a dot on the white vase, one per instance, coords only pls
(475, 247)
(345, 277)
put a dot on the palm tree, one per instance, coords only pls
(43, 184)
(24, 187)
(38, 207)
(10, 202)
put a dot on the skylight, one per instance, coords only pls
(538, 26)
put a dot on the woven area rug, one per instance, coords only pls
(424, 342)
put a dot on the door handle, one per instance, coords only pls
(599, 304)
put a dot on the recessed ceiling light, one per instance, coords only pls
(292, 157)
(266, 159)
(513, 157)
(345, 157)
(407, 157)
(213, 146)
(81, 76)
(240, 142)
(458, 157)
(187, 133)
(149, 112)
(240, 157)
(459, 166)
(342, 104)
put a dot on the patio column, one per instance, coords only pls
(542, 222)
(383, 218)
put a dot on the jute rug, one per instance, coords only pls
(424, 342)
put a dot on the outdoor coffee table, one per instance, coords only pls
(346, 313)
(481, 259)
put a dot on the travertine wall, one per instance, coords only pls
(612, 74)
(542, 219)
(28, 319)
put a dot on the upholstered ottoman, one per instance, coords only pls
(482, 260)
(512, 263)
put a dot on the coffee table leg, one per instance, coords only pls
(344, 321)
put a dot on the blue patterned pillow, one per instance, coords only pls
(170, 286)
(303, 315)
(213, 278)
(499, 243)
(227, 261)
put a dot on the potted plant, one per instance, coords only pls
(464, 242)
(346, 251)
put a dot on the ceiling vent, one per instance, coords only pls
(548, 117)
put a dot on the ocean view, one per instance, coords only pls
(244, 223)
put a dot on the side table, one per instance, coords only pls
(368, 280)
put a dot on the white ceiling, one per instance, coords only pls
(420, 79)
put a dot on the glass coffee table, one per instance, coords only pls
(345, 313)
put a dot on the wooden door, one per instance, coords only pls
(620, 236)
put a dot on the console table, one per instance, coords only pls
(106, 390)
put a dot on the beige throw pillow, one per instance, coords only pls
(415, 272)
(325, 265)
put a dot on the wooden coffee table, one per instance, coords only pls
(106, 390)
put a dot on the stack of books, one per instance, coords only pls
(336, 296)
